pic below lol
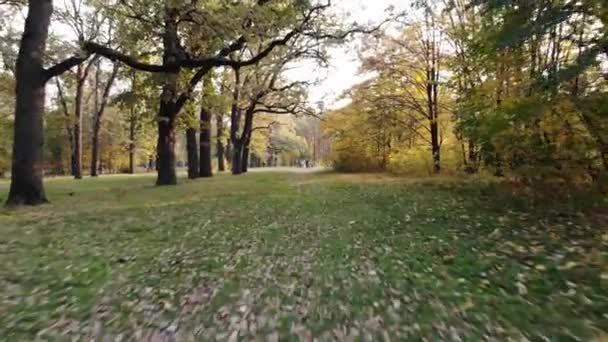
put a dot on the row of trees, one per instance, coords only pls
(165, 53)
(512, 87)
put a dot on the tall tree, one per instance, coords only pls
(97, 117)
(31, 77)
(267, 24)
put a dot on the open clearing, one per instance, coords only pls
(291, 255)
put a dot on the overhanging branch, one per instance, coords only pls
(64, 66)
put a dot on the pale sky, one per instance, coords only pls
(343, 72)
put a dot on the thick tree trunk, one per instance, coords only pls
(168, 111)
(245, 140)
(131, 160)
(73, 158)
(205, 144)
(237, 159)
(27, 164)
(166, 152)
(245, 160)
(221, 163)
(193, 164)
(246, 144)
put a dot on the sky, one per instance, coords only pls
(343, 71)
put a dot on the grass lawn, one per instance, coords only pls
(279, 255)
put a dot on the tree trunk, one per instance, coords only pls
(167, 111)
(27, 163)
(436, 147)
(99, 111)
(205, 144)
(221, 163)
(244, 141)
(193, 163)
(235, 122)
(77, 157)
(245, 161)
(132, 143)
(96, 124)
(166, 152)
(95, 148)
(237, 159)
(432, 80)
(68, 123)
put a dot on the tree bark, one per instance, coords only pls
(77, 157)
(167, 111)
(436, 148)
(166, 153)
(432, 83)
(132, 142)
(237, 158)
(95, 148)
(235, 123)
(205, 144)
(243, 143)
(27, 163)
(193, 163)
(245, 161)
(221, 163)
(246, 142)
(68, 123)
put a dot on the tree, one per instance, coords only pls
(31, 77)
(7, 84)
(190, 121)
(175, 57)
(136, 106)
(266, 24)
(412, 64)
(75, 131)
(99, 108)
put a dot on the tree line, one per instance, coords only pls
(192, 59)
(510, 88)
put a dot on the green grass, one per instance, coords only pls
(293, 255)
